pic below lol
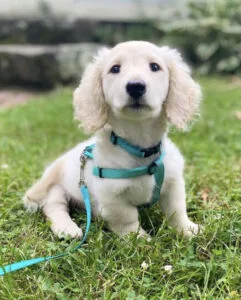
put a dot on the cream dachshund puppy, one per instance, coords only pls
(134, 90)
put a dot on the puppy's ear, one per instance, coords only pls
(89, 104)
(184, 93)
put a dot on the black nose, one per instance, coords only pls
(136, 88)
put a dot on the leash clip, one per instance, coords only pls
(83, 159)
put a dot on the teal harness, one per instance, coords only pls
(156, 168)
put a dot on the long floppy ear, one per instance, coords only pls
(184, 93)
(89, 104)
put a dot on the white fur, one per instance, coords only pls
(101, 104)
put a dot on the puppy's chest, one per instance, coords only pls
(141, 190)
(135, 191)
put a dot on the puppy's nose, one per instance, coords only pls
(136, 89)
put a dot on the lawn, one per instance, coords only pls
(205, 267)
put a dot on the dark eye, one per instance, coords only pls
(115, 69)
(155, 67)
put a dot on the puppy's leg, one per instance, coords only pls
(33, 198)
(55, 207)
(122, 219)
(173, 205)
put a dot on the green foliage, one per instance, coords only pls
(112, 33)
(210, 35)
(108, 267)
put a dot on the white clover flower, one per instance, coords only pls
(218, 216)
(168, 269)
(4, 166)
(148, 239)
(144, 265)
(233, 294)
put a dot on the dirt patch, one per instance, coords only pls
(13, 97)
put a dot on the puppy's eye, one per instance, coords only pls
(155, 67)
(115, 69)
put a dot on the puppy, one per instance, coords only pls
(162, 90)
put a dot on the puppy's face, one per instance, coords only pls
(135, 80)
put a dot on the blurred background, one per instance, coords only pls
(44, 43)
(44, 47)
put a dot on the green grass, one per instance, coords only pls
(108, 267)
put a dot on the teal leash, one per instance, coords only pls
(156, 168)
(26, 263)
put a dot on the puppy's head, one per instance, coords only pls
(136, 81)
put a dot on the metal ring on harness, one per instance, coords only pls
(152, 168)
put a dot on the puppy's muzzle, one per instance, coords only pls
(136, 89)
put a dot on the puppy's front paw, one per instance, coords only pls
(190, 229)
(67, 229)
(29, 204)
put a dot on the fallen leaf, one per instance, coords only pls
(13, 97)
(238, 115)
(205, 195)
(235, 79)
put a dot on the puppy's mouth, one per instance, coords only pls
(136, 111)
(137, 104)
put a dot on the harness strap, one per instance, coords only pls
(129, 173)
(156, 168)
(26, 263)
(159, 178)
(133, 149)
(122, 173)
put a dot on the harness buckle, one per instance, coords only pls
(150, 151)
(100, 172)
(152, 168)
